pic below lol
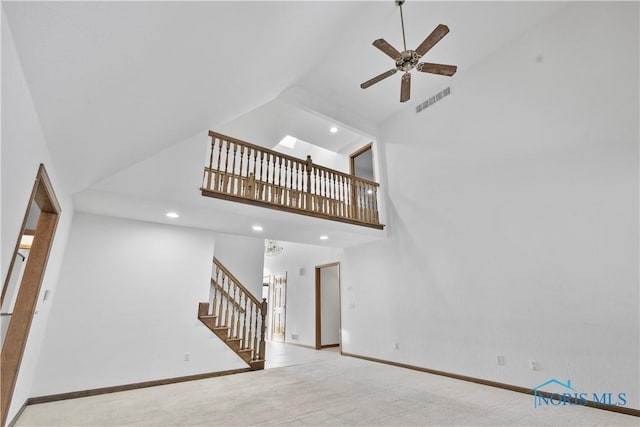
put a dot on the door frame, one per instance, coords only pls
(269, 313)
(359, 151)
(319, 345)
(27, 298)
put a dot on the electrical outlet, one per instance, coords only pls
(533, 365)
(187, 356)
(500, 360)
(396, 346)
(295, 337)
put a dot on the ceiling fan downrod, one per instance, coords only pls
(404, 40)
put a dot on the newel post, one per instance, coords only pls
(250, 187)
(263, 327)
(308, 165)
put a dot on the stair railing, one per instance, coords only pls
(235, 307)
(242, 171)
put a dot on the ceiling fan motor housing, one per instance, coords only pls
(408, 60)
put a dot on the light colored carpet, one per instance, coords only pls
(317, 388)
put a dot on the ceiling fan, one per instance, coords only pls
(409, 59)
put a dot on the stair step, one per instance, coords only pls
(234, 343)
(222, 332)
(257, 365)
(245, 354)
(210, 321)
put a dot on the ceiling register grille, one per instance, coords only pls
(437, 97)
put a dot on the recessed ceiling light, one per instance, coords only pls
(257, 228)
(324, 237)
(333, 129)
(172, 215)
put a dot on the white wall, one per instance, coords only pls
(330, 305)
(23, 149)
(513, 216)
(243, 257)
(300, 302)
(126, 307)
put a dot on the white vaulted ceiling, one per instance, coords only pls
(115, 83)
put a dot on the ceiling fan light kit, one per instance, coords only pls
(407, 60)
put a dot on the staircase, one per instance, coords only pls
(236, 317)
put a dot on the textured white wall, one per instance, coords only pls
(126, 307)
(513, 216)
(301, 288)
(23, 149)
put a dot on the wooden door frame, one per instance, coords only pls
(269, 312)
(319, 345)
(353, 197)
(29, 289)
(352, 156)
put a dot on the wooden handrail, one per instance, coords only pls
(247, 173)
(237, 282)
(285, 156)
(226, 295)
(346, 175)
(254, 146)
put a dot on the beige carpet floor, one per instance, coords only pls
(309, 388)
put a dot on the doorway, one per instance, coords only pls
(12, 284)
(361, 163)
(278, 307)
(24, 277)
(328, 323)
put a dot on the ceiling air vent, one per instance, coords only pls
(429, 102)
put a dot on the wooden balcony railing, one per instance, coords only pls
(247, 173)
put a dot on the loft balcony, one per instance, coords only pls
(246, 173)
